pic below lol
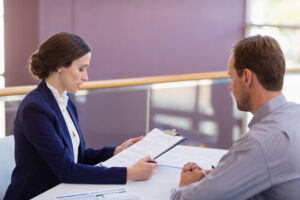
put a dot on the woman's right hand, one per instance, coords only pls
(142, 170)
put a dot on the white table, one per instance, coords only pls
(157, 187)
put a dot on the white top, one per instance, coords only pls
(62, 102)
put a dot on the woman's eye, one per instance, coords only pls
(81, 69)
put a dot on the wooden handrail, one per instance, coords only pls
(21, 90)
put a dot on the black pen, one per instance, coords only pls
(151, 161)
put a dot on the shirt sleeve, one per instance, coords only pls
(240, 174)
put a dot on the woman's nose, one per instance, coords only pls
(85, 77)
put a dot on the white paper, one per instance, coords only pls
(153, 144)
(178, 161)
(108, 194)
(177, 157)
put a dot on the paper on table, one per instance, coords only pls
(177, 157)
(178, 161)
(108, 194)
(154, 144)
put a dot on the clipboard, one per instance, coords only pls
(155, 144)
(172, 132)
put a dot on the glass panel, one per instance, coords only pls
(275, 12)
(289, 40)
(201, 110)
(110, 116)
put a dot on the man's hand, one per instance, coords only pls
(191, 173)
(126, 144)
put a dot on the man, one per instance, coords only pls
(264, 163)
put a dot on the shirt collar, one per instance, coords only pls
(267, 108)
(61, 100)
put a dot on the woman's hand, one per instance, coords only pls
(142, 170)
(126, 144)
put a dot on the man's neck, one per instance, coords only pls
(260, 98)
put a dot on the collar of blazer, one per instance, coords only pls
(63, 129)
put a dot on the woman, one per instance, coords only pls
(49, 145)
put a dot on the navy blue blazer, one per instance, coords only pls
(43, 150)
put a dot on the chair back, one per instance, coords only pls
(7, 162)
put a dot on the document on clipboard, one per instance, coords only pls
(155, 143)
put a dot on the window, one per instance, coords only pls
(279, 19)
(2, 104)
(1, 40)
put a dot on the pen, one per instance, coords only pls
(151, 161)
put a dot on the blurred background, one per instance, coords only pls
(140, 38)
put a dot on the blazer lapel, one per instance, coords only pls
(74, 119)
(46, 92)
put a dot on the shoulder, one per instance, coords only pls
(276, 132)
(34, 97)
(41, 96)
(273, 125)
(245, 143)
(34, 102)
(286, 112)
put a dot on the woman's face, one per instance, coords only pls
(73, 76)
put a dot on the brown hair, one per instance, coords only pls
(57, 51)
(263, 56)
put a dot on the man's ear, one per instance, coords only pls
(247, 77)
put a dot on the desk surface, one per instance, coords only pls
(157, 187)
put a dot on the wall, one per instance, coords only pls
(21, 39)
(129, 38)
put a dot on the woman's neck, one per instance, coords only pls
(53, 81)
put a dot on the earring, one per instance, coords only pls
(59, 70)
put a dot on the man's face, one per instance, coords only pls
(237, 87)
